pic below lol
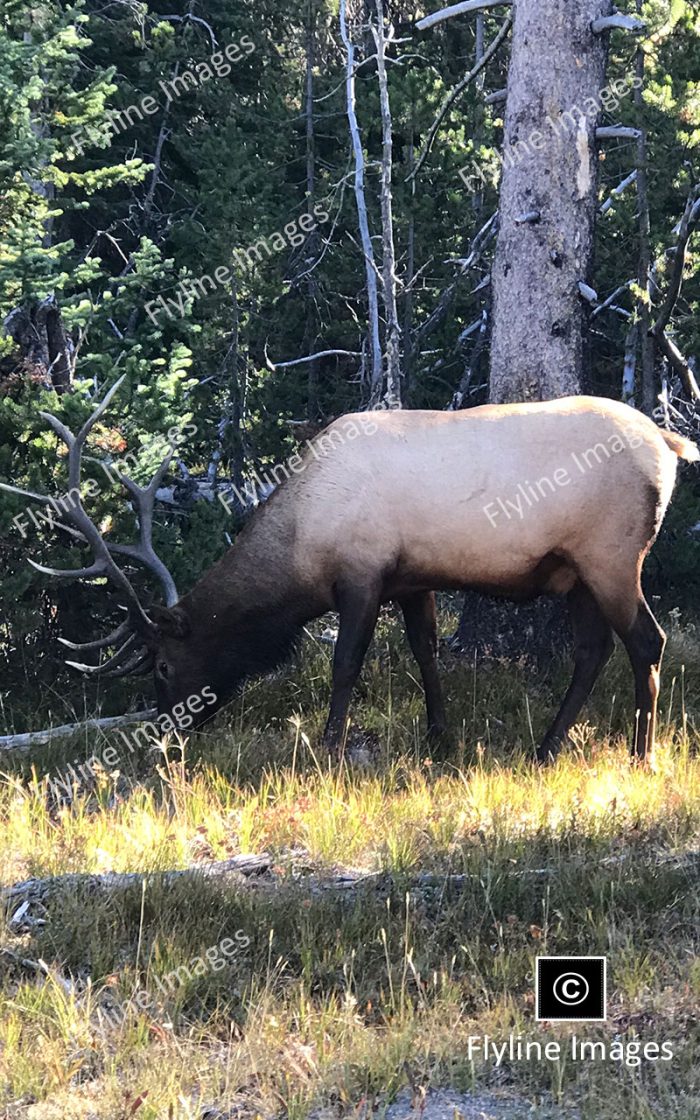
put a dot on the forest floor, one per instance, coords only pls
(397, 909)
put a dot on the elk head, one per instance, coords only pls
(182, 672)
(145, 640)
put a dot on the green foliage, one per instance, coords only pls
(114, 192)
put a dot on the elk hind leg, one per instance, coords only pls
(645, 642)
(421, 629)
(593, 644)
(625, 607)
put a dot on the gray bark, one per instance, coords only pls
(629, 369)
(556, 72)
(363, 221)
(312, 327)
(624, 23)
(543, 255)
(392, 395)
(644, 302)
(407, 325)
(617, 191)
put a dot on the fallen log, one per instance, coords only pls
(243, 865)
(28, 739)
(267, 872)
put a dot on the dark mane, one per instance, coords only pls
(265, 639)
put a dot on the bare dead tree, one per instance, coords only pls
(668, 348)
(482, 59)
(629, 367)
(408, 355)
(376, 373)
(647, 349)
(311, 326)
(392, 393)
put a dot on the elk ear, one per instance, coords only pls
(172, 622)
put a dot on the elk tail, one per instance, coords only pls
(683, 448)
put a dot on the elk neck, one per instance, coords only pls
(247, 613)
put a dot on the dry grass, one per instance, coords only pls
(342, 999)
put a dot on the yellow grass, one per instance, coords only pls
(346, 998)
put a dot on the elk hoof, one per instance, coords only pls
(546, 752)
(439, 741)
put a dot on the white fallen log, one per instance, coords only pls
(37, 889)
(258, 871)
(28, 739)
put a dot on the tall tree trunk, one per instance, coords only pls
(478, 197)
(392, 393)
(361, 202)
(408, 350)
(313, 407)
(548, 197)
(544, 251)
(647, 346)
(43, 346)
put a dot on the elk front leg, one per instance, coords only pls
(358, 608)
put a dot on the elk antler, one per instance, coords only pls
(136, 635)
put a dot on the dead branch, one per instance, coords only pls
(617, 191)
(658, 330)
(463, 8)
(189, 18)
(259, 872)
(611, 299)
(624, 23)
(312, 358)
(680, 364)
(449, 101)
(616, 132)
(392, 394)
(690, 216)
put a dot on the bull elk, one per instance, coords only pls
(563, 497)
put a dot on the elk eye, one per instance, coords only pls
(162, 668)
